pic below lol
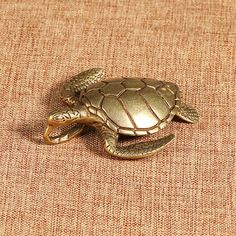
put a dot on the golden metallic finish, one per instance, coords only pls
(129, 106)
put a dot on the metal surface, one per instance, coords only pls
(129, 106)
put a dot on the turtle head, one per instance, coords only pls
(65, 117)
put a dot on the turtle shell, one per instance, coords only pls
(133, 106)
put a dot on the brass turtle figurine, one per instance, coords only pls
(128, 106)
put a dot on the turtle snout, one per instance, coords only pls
(61, 117)
(57, 118)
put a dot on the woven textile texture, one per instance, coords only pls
(76, 188)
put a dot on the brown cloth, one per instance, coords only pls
(76, 188)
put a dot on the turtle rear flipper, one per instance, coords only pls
(70, 92)
(188, 113)
(133, 151)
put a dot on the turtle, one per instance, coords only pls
(121, 106)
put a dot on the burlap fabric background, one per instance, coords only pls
(76, 188)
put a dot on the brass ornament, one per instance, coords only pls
(128, 106)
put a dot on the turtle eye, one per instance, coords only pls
(59, 118)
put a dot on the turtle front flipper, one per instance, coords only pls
(71, 90)
(133, 151)
(188, 113)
